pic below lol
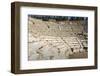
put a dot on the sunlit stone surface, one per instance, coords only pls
(50, 40)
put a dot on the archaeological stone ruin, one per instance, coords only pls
(51, 39)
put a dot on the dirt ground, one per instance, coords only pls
(78, 55)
